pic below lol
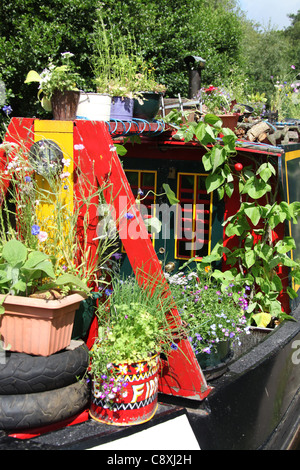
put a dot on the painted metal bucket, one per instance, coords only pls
(64, 105)
(121, 108)
(140, 403)
(94, 107)
(149, 108)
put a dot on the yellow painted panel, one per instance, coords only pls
(292, 155)
(53, 126)
(60, 132)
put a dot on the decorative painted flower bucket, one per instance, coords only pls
(139, 402)
(121, 108)
(94, 107)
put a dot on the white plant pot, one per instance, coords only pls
(94, 107)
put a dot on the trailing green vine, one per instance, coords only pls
(256, 256)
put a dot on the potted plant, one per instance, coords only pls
(257, 102)
(147, 104)
(34, 306)
(218, 101)
(45, 255)
(113, 68)
(121, 72)
(214, 314)
(285, 98)
(133, 332)
(58, 90)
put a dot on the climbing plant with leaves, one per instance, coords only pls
(256, 256)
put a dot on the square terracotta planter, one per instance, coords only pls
(37, 326)
(230, 120)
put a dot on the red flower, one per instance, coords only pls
(210, 89)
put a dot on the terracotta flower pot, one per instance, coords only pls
(230, 120)
(37, 326)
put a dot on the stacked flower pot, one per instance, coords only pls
(40, 365)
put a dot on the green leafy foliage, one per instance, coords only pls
(55, 78)
(165, 33)
(22, 271)
(132, 323)
(254, 258)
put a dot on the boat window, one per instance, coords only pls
(145, 181)
(193, 217)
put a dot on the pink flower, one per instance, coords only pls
(293, 67)
(42, 236)
(64, 175)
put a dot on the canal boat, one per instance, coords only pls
(249, 402)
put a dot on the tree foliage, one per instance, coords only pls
(168, 31)
(292, 33)
(31, 31)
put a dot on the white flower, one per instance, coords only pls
(140, 368)
(66, 161)
(67, 55)
(191, 275)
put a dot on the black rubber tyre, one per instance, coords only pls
(34, 410)
(23, 373)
